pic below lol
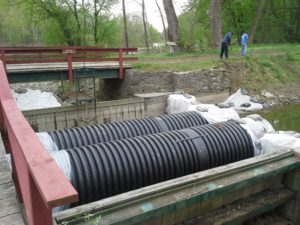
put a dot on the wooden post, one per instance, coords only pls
(40, 213)
(69, 58)
(121, 72)
(2, 57)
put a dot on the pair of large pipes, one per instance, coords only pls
(134, 154)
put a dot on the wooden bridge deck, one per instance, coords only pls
(34, 72)
(10, 210)
(37, 67)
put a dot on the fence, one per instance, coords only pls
(65, 54)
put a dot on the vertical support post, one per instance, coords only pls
(69, 58)
(121, 72)
(2, 57)
(15, 176)
(40, 213)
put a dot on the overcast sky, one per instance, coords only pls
(133, 8)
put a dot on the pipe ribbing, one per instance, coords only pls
(81, 136)
(111, 168)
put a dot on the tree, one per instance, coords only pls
(215, 22)
(125, 24)
(144, 16)
(162, 20)
(259, 13)
(173, 26)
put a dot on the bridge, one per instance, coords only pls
(39, 183)
(62, 63)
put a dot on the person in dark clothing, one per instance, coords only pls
(225, 43)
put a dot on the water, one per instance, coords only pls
(284, 118)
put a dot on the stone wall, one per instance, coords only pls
(196, 82)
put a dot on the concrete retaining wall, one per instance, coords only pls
(106, 112)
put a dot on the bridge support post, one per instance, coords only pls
(2, 57)
(70, 74)
(121, 71)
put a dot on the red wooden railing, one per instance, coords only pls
(66, 54)
(39, 182)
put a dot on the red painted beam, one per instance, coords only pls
(121, 71)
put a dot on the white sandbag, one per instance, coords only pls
(258, 125)
(214, 114)
(47, 141)
(178, 103)
(276, 142)
(255, 140)
(238, 99)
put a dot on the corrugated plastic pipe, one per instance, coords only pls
(81, 136)
(103, 170)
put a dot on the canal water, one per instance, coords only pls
(283, 118)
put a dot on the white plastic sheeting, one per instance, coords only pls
(256, 127)
(238, 99)
(47, 141)
(214, 114)
(276, 142)
(178, 103)
(35, 99)
(62, 160)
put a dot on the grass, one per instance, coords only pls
(266, 65)
(210, 58)
(176, 66)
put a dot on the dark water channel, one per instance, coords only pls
(283, 118)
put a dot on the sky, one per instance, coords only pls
(133, 8)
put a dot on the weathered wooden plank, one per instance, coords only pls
(5, 177)
(12, 219)
(7, 190)
(245, 209)
(3, 164)
(9, 206)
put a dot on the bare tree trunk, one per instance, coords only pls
(162, 20)
(96, 40)
(84, 23)
(78, 39)
(215, 22)
(173, 26)
(125, 24)
(192, 27)
(145, 25)
(259, 13)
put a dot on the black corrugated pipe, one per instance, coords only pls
(107, 169)
(81, 136)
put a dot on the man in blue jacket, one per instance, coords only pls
(244, 41)
(225, 43)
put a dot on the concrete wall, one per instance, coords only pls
(195, 83)
(110, 111)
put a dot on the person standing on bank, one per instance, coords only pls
(225, 43)
(244, 41)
